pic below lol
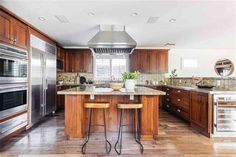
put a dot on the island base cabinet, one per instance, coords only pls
(76, 116)
(200, 116)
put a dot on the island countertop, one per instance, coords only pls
(91, 90)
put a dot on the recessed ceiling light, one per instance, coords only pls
(172, 20)
(152, 19)
(134, 14)
(41, 18)
(91, 13)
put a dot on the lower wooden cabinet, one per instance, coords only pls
(191, 106)
(177, 101)
(61, 98)
(200, 110)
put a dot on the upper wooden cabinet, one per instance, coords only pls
(13, 32)
(149, 61)
(78, 60)
(5, 27)
(20, 34)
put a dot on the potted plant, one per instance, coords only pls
(130, 79)
(173, 75)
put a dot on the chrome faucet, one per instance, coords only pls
(76, 77)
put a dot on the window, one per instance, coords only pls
(110, 67)
(189, 63)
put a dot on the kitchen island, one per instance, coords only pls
(76, 115)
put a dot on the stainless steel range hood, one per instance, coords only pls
(112, 40)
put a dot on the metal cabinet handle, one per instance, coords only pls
(178, 110)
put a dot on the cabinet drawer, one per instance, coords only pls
(13, 124)
(178, 111)
(181, 101)
(180, 92)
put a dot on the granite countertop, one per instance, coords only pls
(214, 90)
(91, 90)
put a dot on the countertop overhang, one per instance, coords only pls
(90, 90)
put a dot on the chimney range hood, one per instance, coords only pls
(112, 40)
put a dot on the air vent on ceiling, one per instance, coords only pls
(152, 19)
(62, 19)
(169, 44)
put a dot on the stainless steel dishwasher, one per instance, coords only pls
(225, 115)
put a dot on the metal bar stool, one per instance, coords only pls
(122, 107)
(92, 106)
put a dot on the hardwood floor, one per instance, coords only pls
(176, 139)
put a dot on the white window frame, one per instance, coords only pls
(192, 66)
(110, 57)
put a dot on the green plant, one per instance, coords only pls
(130, 75)
(173, 73)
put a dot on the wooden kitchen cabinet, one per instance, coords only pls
(199, 109)
(144, 61)
(177, 101)
(134, 61)
(5, 27)
(162, 61)
(20, 34)
(13, 32)
(149, 61)
(78, 60)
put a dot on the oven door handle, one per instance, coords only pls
(13, 89)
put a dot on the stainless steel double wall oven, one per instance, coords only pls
(13, 81)
(13, 89)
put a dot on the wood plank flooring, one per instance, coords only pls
(176, 139)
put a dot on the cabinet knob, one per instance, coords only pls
(167, 99)
(179, 91)
(178, 100)
(167, 89)
(178, 110)
(168, 106)
(167, 94)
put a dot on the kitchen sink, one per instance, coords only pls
(103, 90)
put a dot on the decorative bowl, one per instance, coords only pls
(116, 85)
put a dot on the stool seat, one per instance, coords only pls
(97, 105)
(129, 106)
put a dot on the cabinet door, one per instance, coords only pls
(20, 34)
(87, 61)
(199, 110)
(144, 61)
(5, 27)
(153, 55)
(162, 61)
(134, 61)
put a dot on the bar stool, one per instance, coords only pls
(92, 106)
(122, 107)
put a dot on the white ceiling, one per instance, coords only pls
(199, 24)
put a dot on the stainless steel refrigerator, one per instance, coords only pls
(42, 79)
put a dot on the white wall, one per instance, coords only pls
(206, 60)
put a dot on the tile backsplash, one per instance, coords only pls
(154, 79)
(72, 78)
(215, 81)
